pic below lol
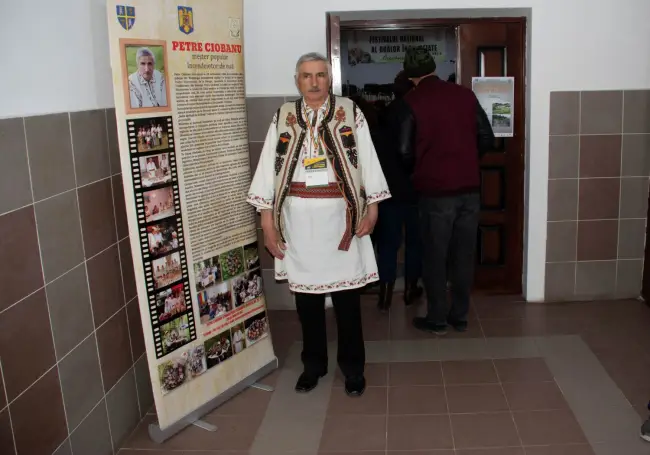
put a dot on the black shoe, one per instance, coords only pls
(355, 386)
(425, 325)
(459, 326)
(307, 382)
(385, 296)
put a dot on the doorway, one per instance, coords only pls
(485, 47)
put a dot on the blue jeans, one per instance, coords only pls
(395, 218)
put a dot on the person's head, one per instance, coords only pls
(146, 63)
(418, 64)
(401, 85)
(313, 77)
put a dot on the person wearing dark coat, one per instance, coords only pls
(398, 216)
(445, 132)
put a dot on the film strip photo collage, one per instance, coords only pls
(162, 245)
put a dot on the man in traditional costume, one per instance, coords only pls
(317, 186)
(147, 86)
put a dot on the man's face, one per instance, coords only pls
(313, 80)
(145, 67)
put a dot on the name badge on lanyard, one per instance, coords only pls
(315, 167)
(316, 172)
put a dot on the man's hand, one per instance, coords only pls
(368, 222)
(272, 240)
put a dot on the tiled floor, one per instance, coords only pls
(526, 379)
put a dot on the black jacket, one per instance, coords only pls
(390, 142)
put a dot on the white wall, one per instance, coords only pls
(55, 59)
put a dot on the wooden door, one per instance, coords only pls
(497, 49)
(334, 51)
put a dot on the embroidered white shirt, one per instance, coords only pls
(152, 93)
(313, 227)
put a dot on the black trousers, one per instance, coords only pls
(398, 221)
(449, 231)
(351, 350)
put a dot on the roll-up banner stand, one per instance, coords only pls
(178, 78)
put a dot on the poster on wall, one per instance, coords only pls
(390, 46)
(178, 76)
(497, 97)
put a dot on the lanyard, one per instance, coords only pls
(313, 131)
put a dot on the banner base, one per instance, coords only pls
(264, 387)
(205, 426)
(159, 435)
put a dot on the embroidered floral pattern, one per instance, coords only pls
(279, 161)
(340, 114)
(337, 286)
(377, 197)
(283, 144)
(353, 157)
(258, 200)
(349, 143)
(330, 287)
(291, 119)
(359, 118)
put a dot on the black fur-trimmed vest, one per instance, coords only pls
(337, 133)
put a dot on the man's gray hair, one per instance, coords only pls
(144, 52)
(314, 57)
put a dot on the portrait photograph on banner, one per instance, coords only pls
(145, 84)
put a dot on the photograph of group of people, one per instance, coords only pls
(171, 302)
(162, 237)
(176, 372)
(152, 134)
(207, 273)
(155, 170)
(167, 270)
(159, 204)
(215, 302)
(247, 287)
(175, 334)
(227, 281)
